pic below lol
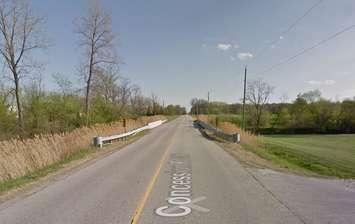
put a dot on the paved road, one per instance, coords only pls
(174, 175)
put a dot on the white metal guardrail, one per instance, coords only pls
(99, 141)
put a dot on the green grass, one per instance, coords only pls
(332, 155)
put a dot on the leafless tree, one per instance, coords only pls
(137, 101)
(97, 39)
(123, 94)
(64, 84)
(5, 93)
(258, 93)
(105, 84)
(284, 98)
(155, 104)
(20, 34)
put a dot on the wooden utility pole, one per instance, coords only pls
(245, 87)
(208, 103)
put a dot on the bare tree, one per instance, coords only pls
(97, 38)
(138, 102)
(5, 94)
(123, 94)
(105, 84)
(20, 35)
(155, 104)
(64, 84)
(258, 94)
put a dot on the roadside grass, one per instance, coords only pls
(326, 155)
(331, 155)
(42, 172)
(18, 157)
(35, 175)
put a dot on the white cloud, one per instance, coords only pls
(313, 82)
(348, 93)
(245, 56)
(328, 82)
(224, 47)
(281, 37)
(236, 46)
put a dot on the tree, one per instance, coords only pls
(97, 38)
(64, 84)
(174, 110)
(138, 102)
(347, 116)
(311, 96)
(284, 118)
(323, 115)
(258, 93)
(105, 85)
(21, 34)
(301, 115)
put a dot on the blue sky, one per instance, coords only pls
(182, 49)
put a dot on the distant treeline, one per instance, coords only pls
(60, 111)
(308, 113)
(102, 95)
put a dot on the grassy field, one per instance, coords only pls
(324, 154)
(330, 155)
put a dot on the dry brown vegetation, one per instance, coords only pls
(246, 136)
(19, 157)
(248, 158)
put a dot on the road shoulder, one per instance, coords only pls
(66, 169)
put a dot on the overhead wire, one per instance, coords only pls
(306, 50)
(289, 28)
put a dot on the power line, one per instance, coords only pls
(283, 33)
(306, 50)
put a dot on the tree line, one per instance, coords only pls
(103, 95)
(308, 113)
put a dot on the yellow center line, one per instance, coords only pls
(150, 186)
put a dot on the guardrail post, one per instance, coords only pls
(237, 137)
(97, 141)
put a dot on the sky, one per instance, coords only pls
(180, 49)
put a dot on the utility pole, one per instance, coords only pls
(163, 106)
(208, 103)
(245, 86)
(197, 111)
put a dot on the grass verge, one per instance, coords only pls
(331, 155)
(304, 162)
(325, 155)
(43, 172)
(35, 175)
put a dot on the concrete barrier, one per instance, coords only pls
(217, 132)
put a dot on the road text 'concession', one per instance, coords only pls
(179, 197)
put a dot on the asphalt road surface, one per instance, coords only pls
(175, 175)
